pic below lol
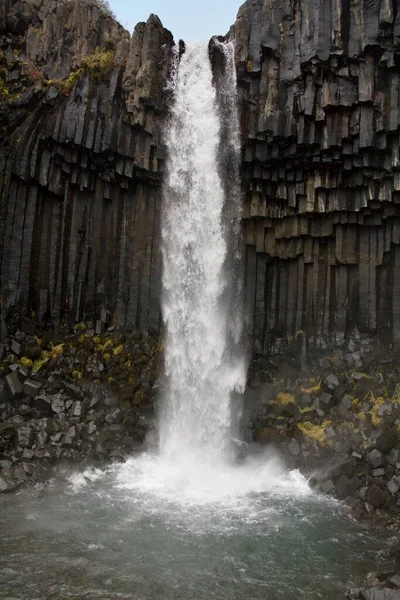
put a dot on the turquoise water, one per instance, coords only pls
(149, 530)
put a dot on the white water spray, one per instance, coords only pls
(202, 367)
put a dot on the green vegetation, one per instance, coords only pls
(96, 65)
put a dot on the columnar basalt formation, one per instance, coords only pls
(321, 167)
(80, 105)
(81, 111)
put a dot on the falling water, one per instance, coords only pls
(200, 292)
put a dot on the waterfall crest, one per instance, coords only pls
(202, 366)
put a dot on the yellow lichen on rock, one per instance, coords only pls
(284, 398)
(315, 433)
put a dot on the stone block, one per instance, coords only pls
(31, 388)
(14, 384)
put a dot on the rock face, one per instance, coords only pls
(321, 169)
(80, 104)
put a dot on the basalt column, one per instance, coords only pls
(321, 168)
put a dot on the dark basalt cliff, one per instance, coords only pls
(81, 110)
(321, 167)
(81, 171)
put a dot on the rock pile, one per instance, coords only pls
(71, 396)
(340, 423)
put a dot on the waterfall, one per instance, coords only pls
(200, 299)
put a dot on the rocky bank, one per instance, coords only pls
(71, 396)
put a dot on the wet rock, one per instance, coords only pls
(387, 440)
(328, 486)
(343, 487)
(375, 458)
(376, 496)
(395, 581)
(14, 384)
(345, 405)
(294, 447)
(380, 594)
(6, 486)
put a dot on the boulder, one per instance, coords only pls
(330, 383)
(57, 404)
(76, 410)
(25, 437)
(294, 447)
(31, 388)
(114, 417)
(345, 405)
(328, 486)
(343, 487)
(375, 458)
(380, 594)
(376, 496)
(14, 384)
(290, 410)
(394, 485)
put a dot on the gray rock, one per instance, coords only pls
(345, 405)
(331, 383)
(5, 486)
(28, 468)
(294, 447)
(376, 496)
(25, 437)
(375, 458)
(343, 487)
(393, 456)
(20, 337)
(72, 432)
(380, 594)
(378, 472)
(384, 409)
(395, 581)
(394, 485)
(57, 404)
(16, 348)
(328, 486)
(31, 388)
(114, 417)
(76, 410)
(24, 410)
(330, 433)
(14, 384)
